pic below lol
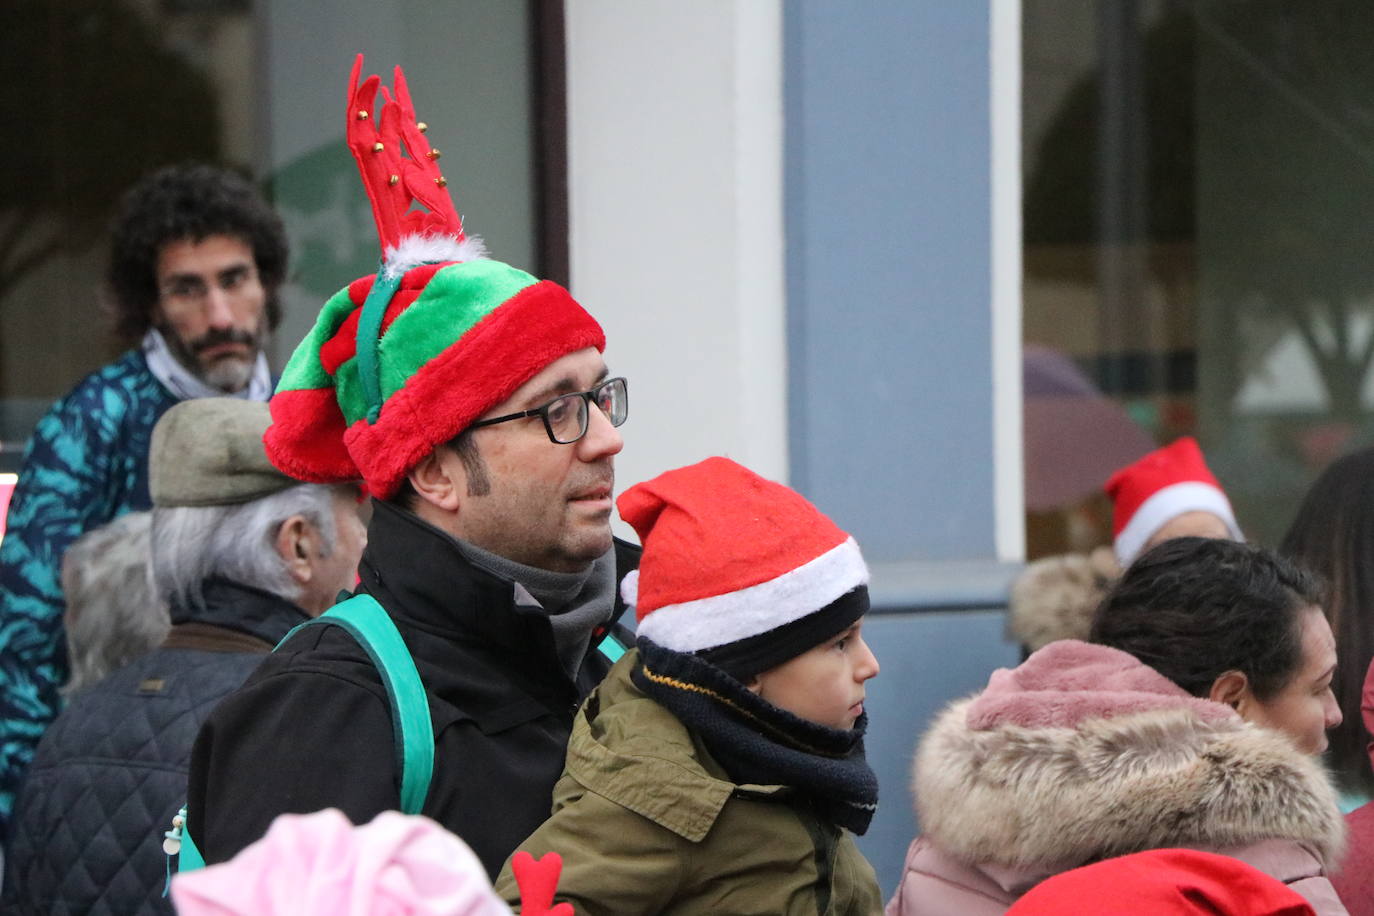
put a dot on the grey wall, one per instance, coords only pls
(927, 659)
(888, 271)
(888, 215)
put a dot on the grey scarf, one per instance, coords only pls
(577, 603)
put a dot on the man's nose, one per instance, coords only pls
(219, 312)
(602, 439)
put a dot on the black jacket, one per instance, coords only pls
(312, 728)
(111, 770)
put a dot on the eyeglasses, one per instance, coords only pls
(566, 417)
(184, 292)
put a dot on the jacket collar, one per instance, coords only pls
(243, 609)
(628, 748)
(422, 577)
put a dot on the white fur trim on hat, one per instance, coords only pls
(1169, 503)
(415, 250)
(709, 622)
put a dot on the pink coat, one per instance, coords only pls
(1083, 753)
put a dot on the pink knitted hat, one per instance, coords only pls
(398, 865)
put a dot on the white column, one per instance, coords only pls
(676, 234)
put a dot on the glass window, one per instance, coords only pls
(100, 92)
(1199, 182)
(97, 93)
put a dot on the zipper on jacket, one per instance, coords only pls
(823, 838)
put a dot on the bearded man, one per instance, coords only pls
(196, 259)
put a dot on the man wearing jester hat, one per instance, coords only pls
(473, 401)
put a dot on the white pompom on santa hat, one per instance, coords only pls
(738, 568)
(1158, 488)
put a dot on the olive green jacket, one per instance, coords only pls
(647, 822)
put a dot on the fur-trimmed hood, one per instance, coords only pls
(1084, 753)
(1055, 597)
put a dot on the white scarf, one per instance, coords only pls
(185, 384)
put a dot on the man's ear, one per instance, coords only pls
(437, 479)
(1231, 688)
(298, 544)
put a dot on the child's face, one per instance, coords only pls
(824, 684)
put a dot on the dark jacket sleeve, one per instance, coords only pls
(289, 742)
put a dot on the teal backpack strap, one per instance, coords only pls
(369, 623)
(611, 648)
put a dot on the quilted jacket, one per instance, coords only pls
(86, 464)
(111, 771)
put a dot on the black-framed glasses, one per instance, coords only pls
(566, 417)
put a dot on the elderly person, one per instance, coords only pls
(112, 616)
(241, 554)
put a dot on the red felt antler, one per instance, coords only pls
(397, 164)
(538, 879)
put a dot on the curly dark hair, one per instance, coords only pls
(191, 201)
(1194, 608)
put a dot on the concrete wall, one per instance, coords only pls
(676, 239)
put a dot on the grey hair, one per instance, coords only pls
(112, 616)
(191, 544)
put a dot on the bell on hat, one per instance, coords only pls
(1158, 488)
(403, 360)
(737, 568)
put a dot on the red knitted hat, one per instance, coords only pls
(406, 359)
(1159, 487)
(732, 559)
(1167, 882)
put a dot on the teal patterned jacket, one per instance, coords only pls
(86, 464)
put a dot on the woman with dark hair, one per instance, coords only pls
(1193, 719)
(1333, 535)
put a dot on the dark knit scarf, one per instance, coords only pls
(756, 742)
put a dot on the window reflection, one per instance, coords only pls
(1199, 177)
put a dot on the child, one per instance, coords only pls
(719, 768)
(321, 865)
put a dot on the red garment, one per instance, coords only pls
(1355, 879)
(1164, 882)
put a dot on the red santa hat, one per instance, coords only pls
(739, 569)
(1160, 487)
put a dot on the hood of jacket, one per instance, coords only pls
(629, 749)
(1054, 597)
(1083, 753)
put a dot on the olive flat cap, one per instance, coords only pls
(209, 452)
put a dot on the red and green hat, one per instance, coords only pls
(405, 359)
